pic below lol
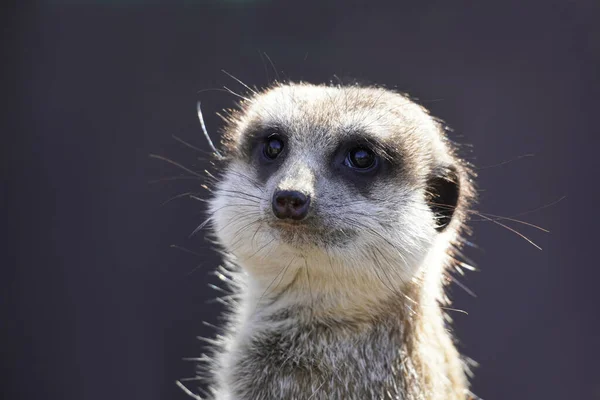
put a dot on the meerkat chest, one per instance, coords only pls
(319, 363)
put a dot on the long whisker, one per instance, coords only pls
(272, 65)
(176, 178)
(175, 164)
(499, 218)
(541, 207)
(262, 248)
(235, 205)
(188, 391)
(175, 246)
(235, 94)
(454, 309)
(461, 285)
(240, 193)
(205, 132)
(515, 231)
(212, 90)
(191, 146)
(187, 194)
(248, 216)
(506, 161)
(239, 81)
(253, 216)
(199, 228)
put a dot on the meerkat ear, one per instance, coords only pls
(443, 190)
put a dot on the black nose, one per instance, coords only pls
(290, 204)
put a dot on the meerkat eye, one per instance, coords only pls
(273, 147)
(361, 158)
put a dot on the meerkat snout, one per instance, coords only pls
(290, 204)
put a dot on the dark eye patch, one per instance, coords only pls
(264, 147)
(255, 134)
(361, 161)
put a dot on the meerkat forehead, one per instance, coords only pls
(326, 115)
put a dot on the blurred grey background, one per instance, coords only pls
(97, 302)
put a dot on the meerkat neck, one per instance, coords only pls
(283, 348)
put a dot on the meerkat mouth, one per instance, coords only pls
(311, 233)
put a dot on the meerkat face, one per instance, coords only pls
(335, 178)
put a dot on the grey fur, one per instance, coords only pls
(347, 304)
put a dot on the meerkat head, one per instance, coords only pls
(354, 184)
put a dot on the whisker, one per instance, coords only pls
(175, 164)
(236, 205)
(514, 231)
(177, 197)
(542, 207)
(237, 237)
(454, 309)
(240, 193)
(273, 65)
(176, 178)
(256, 184)
(245, 201)
(196, 268)
(175, 246)
(262, 248)
(188, 391)
(506, 161)
(461, 285)
(239, 81)
(199, 228)
(212, 90)
(382, 269)
(191, 146)
(500, 218)
(235, 94)
(205, 132)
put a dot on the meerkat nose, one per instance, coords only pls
(290, 204)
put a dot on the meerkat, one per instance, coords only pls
(339, 210)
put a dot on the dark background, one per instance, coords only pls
(97, 303)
